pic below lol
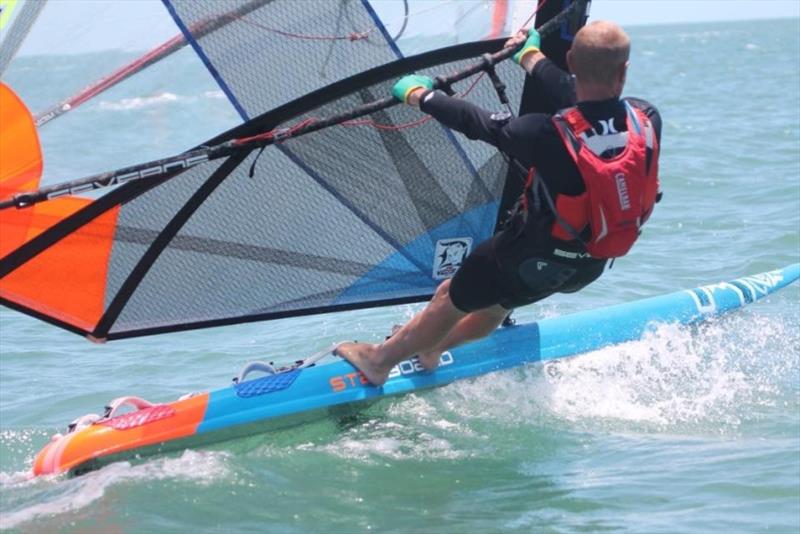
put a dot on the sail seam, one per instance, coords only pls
(152, 254)
(265, 255)
(80, 218)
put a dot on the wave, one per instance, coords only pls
(140, 102)
(62, 496)
(708, 379)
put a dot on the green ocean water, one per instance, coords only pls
(688, 430)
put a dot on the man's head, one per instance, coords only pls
(599, 57)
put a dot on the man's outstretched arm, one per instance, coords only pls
(514, 137)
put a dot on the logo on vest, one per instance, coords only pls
(449, 255)
(622, 191)
(607, 126)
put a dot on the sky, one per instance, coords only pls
(56, 28)
(640, 12)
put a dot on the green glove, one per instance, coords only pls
(531, 45)
(407, 84)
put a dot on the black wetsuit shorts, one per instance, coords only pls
(521, 266)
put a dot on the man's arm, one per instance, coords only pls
(515, 137)
(552, 88)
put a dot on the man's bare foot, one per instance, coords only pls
(429, 360)
(364, 356)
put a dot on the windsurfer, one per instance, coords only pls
(553, 241)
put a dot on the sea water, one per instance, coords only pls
(687, 430)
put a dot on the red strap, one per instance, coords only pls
(571, 142)
(576, 120)
(528, 189)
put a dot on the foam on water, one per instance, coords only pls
(410, 428)
(57, 495)
(675, 379)
(156, 100)
(377, 439)
(140, 102)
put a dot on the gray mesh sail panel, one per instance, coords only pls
(141, 221)
(347, 214)
(15, 34)
(281, 51)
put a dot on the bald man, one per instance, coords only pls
(551, 243)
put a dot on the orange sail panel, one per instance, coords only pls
(66, 281)
(20, 165)
(20, 153)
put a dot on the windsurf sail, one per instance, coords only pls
(360, 213)
(16, 19)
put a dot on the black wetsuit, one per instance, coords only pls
(525, 263)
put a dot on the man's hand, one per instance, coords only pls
(408, 89)
(531, 46)
(520, 37)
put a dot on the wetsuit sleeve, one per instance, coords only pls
(651, 112)
(517, 137)
(553, 88)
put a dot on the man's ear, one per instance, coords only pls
(623, 72)
(569, 61)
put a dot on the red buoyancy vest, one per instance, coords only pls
(620, 191)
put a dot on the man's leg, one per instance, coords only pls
(423, 332)
(476, 325)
